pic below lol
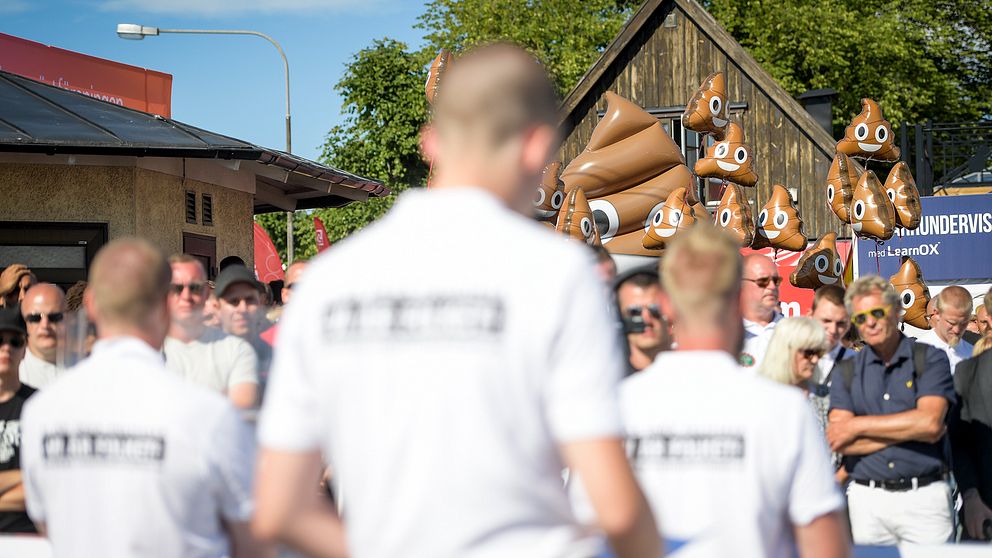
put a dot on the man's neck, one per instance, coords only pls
(760, 317)
(9, 385)
(187, 332)
(887, 349)
(50, 359)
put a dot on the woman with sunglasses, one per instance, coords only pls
(793, 351)
(13, 396)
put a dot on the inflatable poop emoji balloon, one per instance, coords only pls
(550, 194)
(779, 223)
(913, 293)
(869, 136)
(706, 112)
(437, 69)
(575, 219)
(872, 214)
(729, 159)
(902, 192)
(819, 265)
(675, 216)
(841, 180)
(734, 214)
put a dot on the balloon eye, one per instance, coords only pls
(606, 219)
(908, 298)
(881, 134)
(820, 263)
(557, 199)
(675, 218)
(725, 217)
(539, 199)
(740, 155)
(715, 105)
(763, 217)
(830, 192)
(658, 218)
(861, 132)
(721, 150)
(780, 219)
(859, 209)
(838, 268)
(892, 195)
(586, 225)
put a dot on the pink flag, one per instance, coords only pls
(321, 234)
(268, 265)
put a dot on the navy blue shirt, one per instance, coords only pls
(878, 388)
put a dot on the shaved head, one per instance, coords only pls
(43, 302)
(128, 288)
(955, 297)
(46, 294)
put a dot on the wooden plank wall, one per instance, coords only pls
(663, 66)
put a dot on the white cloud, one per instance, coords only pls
(235, 7)
(13, 6)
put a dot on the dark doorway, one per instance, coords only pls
(59, 253)
(203, 248)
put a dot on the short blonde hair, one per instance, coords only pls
(982, 345)
(701, 272)
(790, 335)
(869, 285)
(129, 280)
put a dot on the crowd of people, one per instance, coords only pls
(468, 397)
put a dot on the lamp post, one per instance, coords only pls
(134, 31)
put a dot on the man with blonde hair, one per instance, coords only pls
(888, 408)
(448, 402)
(121, 457)
(949, 320)
(741, 470)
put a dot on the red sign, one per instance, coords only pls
(794, 301)
(121, 84)
(268, 264)
(320, 234)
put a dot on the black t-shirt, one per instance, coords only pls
(10, 455)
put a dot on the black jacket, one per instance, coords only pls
(971, 428)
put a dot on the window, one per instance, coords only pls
(207, 210)
(59, 253)
(191, 207)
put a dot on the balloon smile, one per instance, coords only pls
(719, 122)
(729, 167)
(545, 213)
(857, 226)
(770, 235)
(664, 233)
(869, 147)
(826, 279)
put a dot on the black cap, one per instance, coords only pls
(650, 269)
(234, 274)
(11, 320)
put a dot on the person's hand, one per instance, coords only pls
(841, 433)
(11, 277)
(975, 514)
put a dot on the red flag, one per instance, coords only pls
(268, 264)
(321, 235)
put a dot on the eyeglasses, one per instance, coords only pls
(15, 341)
(638, 310)
(178, 288)
(53, 317)
(810, 353)
(762, 282)
(878, 312)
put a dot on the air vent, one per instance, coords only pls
(207, 210)
(191, 207)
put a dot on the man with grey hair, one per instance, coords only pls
(169, 463)
(949, 320)
(888, 409)
(43, 309)
(448, 402)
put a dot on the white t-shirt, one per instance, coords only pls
(216, 360)
(437, 359)
(36, 372)
(728, 461)
(756, 339)
(955, 354)
(121, 458)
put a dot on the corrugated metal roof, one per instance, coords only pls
(40, 118)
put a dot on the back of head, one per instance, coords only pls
(790, 335)
(955, 297)
(701, 271)
(129, 282)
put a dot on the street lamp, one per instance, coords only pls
(133, 31)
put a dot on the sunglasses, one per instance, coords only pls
(638, 310)
(879, 313)
(178, 288)
(53, 317)
(762, 282)
(236, 301)
(810, 353)
(15, 341)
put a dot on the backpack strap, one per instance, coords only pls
(919, 360)
(846, 368)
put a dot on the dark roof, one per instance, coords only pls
(40, 118)
(570, 114)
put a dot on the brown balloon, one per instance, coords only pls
(901, 189)
(437, 69)
(914, 295)
(550, 194)
(674, 216)
(870, 135)
(841, 180)
(872, 214)
(779, 223)
(729, 159)
(621, 120)
(734, 214)
(631, 209)
(575, 219)
(819, 265)
(706, 112)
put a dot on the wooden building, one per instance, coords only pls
(660, 58)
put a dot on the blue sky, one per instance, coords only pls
(233, 85)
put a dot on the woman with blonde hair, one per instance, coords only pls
(983, 344)
(793, 351)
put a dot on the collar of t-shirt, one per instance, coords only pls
(755, 328)
(125, 345)
(464, 200)
(671, 361)
(963, 347)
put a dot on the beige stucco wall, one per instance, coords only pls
(131, 201)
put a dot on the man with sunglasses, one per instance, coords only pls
(948, 319)
(205, 355)
(43, 309)
(759, 306)
(647, 331)
(293, 274)
(887, 417)
(13, 396)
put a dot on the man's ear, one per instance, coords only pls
(666, 306)
(89, 305)
(538, 147)
(428, 142)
